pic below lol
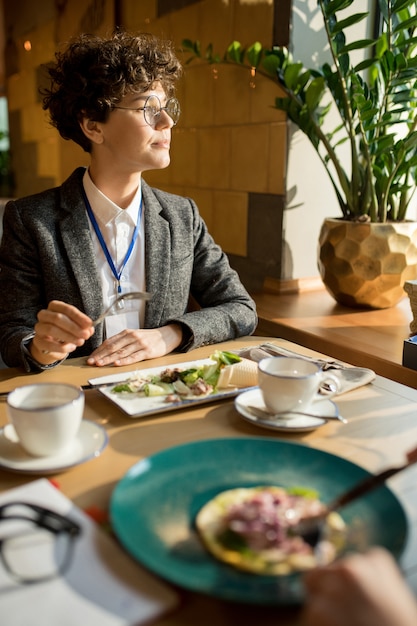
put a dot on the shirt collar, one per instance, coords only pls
(105, 210)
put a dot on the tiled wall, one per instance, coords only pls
(34, 146)
(40, 157)
(229, 148)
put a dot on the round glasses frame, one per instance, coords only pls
(152, 109)
(39, 533)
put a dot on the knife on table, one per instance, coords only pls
(4, 394)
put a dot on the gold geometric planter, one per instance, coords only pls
(364, 264)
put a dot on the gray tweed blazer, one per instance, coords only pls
(47, 254)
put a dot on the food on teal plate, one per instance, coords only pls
(250, 528)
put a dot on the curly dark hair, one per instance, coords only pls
(94, 73)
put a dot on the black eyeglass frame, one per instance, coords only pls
(170, 101)
(46, 519)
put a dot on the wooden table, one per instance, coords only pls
(382, 427)
(363, 337)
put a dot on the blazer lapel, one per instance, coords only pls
(79, 247)
(157, 256)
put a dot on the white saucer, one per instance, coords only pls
(90, 442)
(290, 422)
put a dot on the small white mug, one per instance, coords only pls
(292, 384)
(46, 416)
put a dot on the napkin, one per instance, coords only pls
(103, 586)
(349, 377)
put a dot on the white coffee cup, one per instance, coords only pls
(46, 416)
(292, 384)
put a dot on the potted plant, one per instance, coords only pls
(376, 105)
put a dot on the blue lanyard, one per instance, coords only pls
(116, 274)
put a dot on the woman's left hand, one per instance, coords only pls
(131, 346)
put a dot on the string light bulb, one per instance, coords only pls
(252, 82)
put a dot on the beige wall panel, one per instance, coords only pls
(214, 158)
(249, 155)
(162, 27)
(21, 90)
(139, 15)
(253, 22)
(48, 158)
(262, 100)
(159, 178)
(216, 24)
(231, 91)
(230, 215)
(185, 24)
(277, 162)
(42, 46)
(184, 152)
(71, 156)
(35, 125)
(197, 97)
(80, 16)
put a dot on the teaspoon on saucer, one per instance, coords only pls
(263, 414)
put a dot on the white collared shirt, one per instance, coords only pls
(117, 226)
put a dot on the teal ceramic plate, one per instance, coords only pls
(154, 506)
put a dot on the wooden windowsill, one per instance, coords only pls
(366, 338)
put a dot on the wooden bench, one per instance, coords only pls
(366, 338)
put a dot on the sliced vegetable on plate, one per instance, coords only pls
(227, 369)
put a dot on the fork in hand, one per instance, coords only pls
(131, 295)
(310, 528)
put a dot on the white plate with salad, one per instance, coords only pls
(160, 389)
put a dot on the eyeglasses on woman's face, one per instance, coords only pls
(36, 544)
(152, 109)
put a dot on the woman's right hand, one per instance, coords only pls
(60, 329)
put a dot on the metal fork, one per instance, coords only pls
(310, 528)
(274, 350)
(131, 295)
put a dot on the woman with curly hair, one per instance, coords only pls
(67, 252)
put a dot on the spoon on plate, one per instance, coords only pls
(266, 416)
(118, 303)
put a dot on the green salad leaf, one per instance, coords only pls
(158, 385)
(221, 358)
(157, 389)
(306, 492)
(225, 358)
(123, 388)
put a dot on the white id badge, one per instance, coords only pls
(116, 323)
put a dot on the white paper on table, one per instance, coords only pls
(102, 587)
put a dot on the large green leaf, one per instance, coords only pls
(291, 74)
(314, 93)
(254, 54)
(349, 21)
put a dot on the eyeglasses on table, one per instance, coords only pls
(36, 544)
